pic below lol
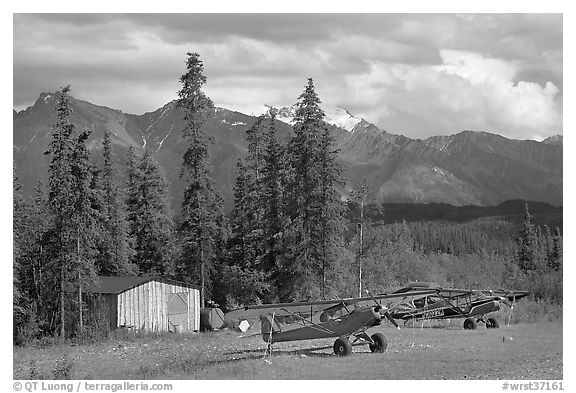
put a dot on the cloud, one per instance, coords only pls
(513, 108)
(415, 74)
(467, 91)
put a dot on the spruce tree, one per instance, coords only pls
(202, 219)
(132, 193)
(86, 217)
(30, 306)
(71, 202)
(37, 271)
(60, 199)
(149, 216)
(247, 215)
(255, 137)
(242, 277)
(240, 225)
(116, 249)
(555, 261)
(528, 246)
(19, 290)
(331, 208)
(312, 205)
(273, 198)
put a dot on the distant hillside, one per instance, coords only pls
(513, 211)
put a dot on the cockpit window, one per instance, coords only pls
(331, 313)
(425, 301)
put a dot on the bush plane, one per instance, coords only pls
(343, 319)
(448, 303)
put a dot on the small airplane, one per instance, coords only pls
(343, 319)
(448, 303)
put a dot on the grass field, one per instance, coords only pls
(523, 351)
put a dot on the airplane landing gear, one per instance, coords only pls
(470, 324)
(380, 343)
(492, 323)
(342, 347)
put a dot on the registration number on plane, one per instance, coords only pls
(433, 313)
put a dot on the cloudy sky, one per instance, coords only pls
(411, 74)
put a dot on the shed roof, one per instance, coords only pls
(119, 284)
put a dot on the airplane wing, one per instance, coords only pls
(511, 296)
(454, 292)
(416, 286)
(414, 292)
(309, 308)
(285, 309)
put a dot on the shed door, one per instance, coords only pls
(177, 309)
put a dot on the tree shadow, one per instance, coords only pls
(298, 352)
(308, 352)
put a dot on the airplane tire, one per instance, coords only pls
(470, 324)
(492, 323)
(380, 343)
(342, 347)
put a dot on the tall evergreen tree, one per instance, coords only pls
(245, 282)
(555, 259)
(116, 249)
(332, 210)
(149, 216)
(37, 270)
(248, 212)
(240, 225)
(70, 200)
(201, 220)
(60, 199)
(19, 292)
(85, 219)
(530, 255)
(315, 217)
(29, 302)
(255, 137)
(132, 193)
(273, 197)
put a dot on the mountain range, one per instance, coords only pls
(467, 168)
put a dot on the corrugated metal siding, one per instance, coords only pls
(144, 307)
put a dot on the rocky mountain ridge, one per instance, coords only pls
(467, 168)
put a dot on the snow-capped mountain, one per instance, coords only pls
(337, 116)
(284, 114)
(340, 117)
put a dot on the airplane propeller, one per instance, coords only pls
(386, 313)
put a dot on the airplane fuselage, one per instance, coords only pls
(359, 319)
(444, 310)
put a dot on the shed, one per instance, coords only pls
(150, 303)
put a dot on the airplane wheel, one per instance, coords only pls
(470, 324)
(380, 343)
(342, 347)
(492, 323)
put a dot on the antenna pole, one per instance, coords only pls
(360, 235)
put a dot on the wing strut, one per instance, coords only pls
(269, 347)
(455, 308)
(317, 326)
